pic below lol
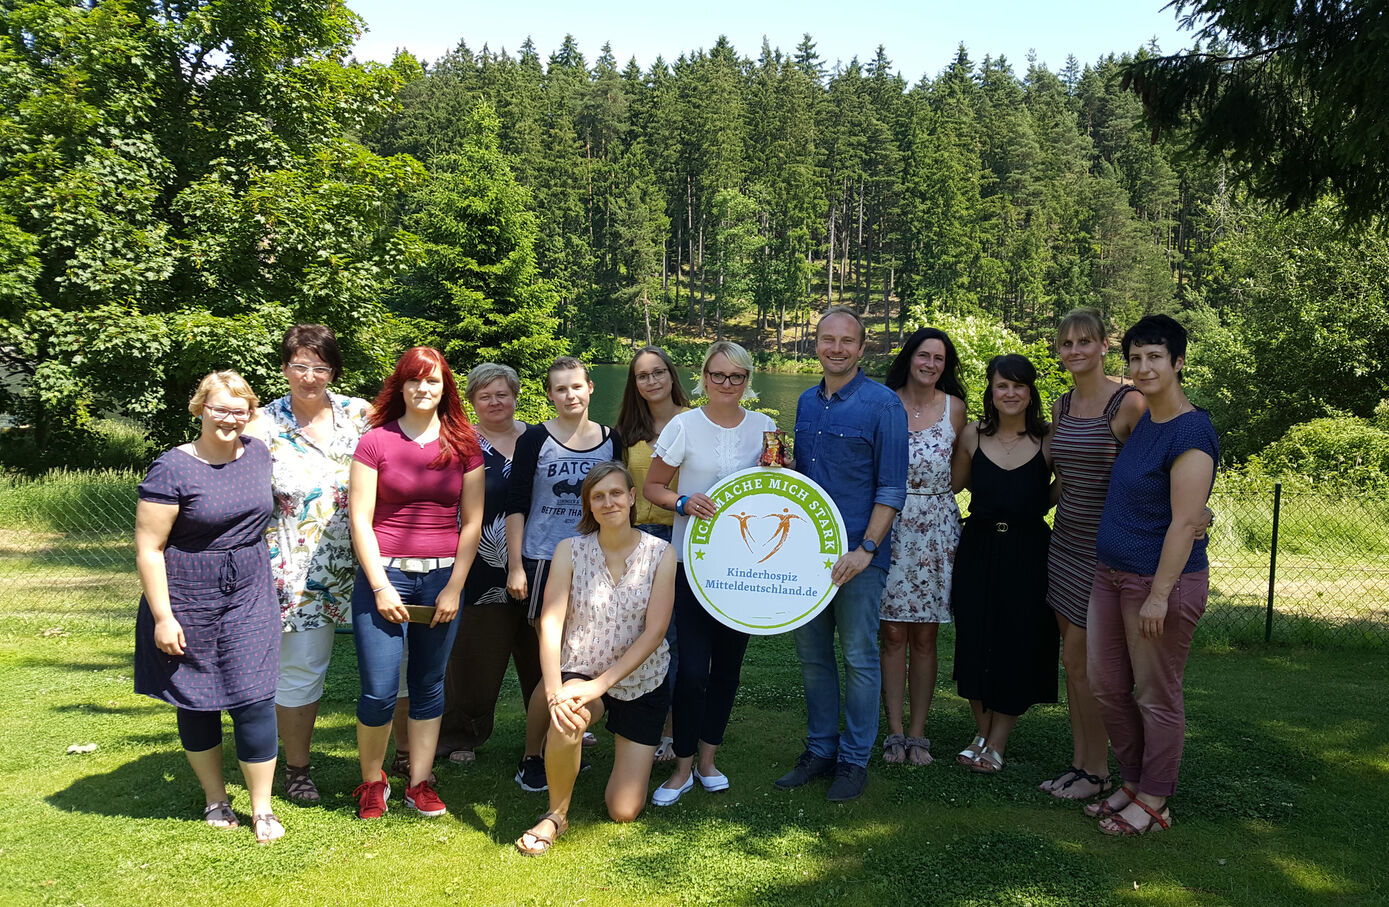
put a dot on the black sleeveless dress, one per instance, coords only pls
(1006, 640)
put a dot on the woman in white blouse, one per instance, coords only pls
(603, 651)
(706, 445)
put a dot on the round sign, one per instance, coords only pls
(762, 563)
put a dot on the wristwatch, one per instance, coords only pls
(870, 546)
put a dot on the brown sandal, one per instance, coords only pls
(220, 815)
(299, 787)
(1118, 826)
(268, 827)
(543, 843)
(894, 749)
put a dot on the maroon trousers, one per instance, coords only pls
(1137, 681)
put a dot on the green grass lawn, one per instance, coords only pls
(1284, 784)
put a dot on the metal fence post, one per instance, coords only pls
(1273, 560)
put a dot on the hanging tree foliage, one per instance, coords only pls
(1295, 95)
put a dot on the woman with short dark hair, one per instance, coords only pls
(312, 434)
(1152, 579)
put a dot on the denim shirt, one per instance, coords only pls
(853, 443)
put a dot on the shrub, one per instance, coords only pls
(1340, 451)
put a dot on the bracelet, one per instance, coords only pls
(378, 589)
(680, 504)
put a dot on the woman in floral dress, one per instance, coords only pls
(916, 599)
(311, 433)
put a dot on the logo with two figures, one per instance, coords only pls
(762, 563)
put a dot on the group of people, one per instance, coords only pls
(454, 548)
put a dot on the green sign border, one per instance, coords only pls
(699, 532)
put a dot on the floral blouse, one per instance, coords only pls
(605, 618)
(310, 538)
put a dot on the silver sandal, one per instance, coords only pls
(970, 754)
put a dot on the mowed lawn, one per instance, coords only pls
(1283, 799)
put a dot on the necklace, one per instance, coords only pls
(1008, 448)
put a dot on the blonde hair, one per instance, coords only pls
(226, 380)
(735, 354)
(485, 373)
(1082, 323)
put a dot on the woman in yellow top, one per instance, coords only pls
(653, 396)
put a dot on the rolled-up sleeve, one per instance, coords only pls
(890, 450)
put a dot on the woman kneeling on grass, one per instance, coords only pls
(602, 650)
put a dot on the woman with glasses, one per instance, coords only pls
(705, 445)
(312, 433)
(207, 635)
(653, 396)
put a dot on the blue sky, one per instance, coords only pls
(920, 37)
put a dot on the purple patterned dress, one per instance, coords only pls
(220, 587)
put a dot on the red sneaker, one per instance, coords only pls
(422, 798)
(371, 798)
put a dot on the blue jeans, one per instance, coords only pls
(854, 612)
(380, 644)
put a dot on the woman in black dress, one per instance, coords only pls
(207, 636)
(1005, 636)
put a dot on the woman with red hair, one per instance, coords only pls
(415, 502)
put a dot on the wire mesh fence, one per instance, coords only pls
(1290, 567)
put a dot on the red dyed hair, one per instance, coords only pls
(455, 432)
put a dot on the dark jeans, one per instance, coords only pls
(706, 682)
(489, 636)
(380, 644)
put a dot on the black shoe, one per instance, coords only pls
(808, 767)
(530, 774)
(849, 782)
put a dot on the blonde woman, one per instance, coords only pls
(207, 635)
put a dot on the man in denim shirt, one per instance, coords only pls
(851, 438)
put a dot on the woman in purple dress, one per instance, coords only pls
(207, 636)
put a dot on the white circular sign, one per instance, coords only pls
(762, 563)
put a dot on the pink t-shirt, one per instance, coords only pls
(416, 507)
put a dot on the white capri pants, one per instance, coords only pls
(304, 657)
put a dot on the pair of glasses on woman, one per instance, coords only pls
(737, 379)
(304, 371)
(656, 374)
(222, 414)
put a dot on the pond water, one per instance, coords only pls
(775, 390)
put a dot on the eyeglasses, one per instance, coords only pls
(656, 374)
(737, 379)
(221, 413)
(304, 371)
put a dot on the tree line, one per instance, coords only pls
(180, 182)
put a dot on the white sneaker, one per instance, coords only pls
(666, 796)
(712, 783)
